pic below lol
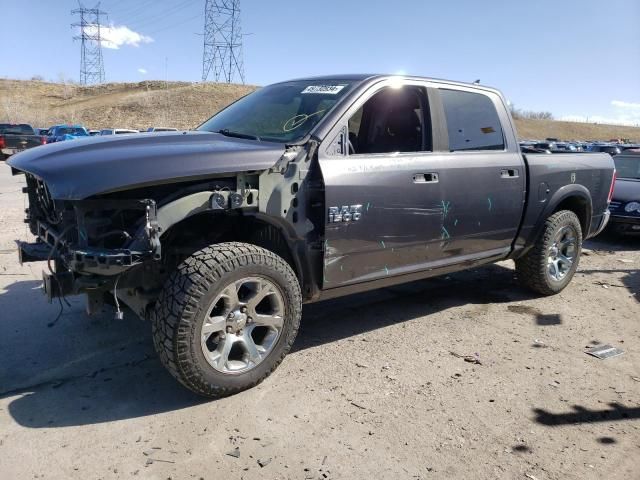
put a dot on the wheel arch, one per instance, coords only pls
(575, 198)
(203, 227)
(577, 201)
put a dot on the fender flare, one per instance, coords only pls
(560, 195)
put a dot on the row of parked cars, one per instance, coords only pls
(556, 146)
(625, 203)
(16, 137)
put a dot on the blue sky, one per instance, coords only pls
(575, 58)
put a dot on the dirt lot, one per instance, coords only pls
(373, 389)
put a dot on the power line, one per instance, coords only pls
(91, 63)
(222, 41)
(132, 9)
(175, 24)
(161, 16)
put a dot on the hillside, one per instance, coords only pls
(122, 105)
(185, 105)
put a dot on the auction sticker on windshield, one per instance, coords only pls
(330, 89)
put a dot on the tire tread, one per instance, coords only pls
(531, 267)
(175, 311)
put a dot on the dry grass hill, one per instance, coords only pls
(185, 105)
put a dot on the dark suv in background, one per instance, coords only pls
(625, 205)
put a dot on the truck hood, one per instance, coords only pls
(91, 166)
(627, 190)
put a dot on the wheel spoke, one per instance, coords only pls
(264, 289)
(231, 293)
(551, 266)
(568, 261)
(212, 325)
(273, 320)
(252, 349)
(223, 351)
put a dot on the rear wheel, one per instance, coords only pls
(226, 318)
(550, 265)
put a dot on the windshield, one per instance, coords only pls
(21, 129)
(284, 112)
(627, 167)
(77, 131)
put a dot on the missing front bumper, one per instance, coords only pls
(59, 285)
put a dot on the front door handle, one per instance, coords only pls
(509, 173)
(431, 177)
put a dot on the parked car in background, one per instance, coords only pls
(610, 149)
(161, 129)
(117, 131)
(526, 148)
(546, 147)
(61, 133)
(15, 138)
(42, 131)
(565, 147)
(299, 192)
(93, 133)
(625, 205)
(630, 146)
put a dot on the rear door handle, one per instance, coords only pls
(431, 177)
(509, 173)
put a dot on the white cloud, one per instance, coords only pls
(114, 37)
(622, 113)
(143, 71)
(599, 119)
(629, 105)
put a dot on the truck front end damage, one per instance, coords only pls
(91, 246)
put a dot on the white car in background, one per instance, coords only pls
(161, 129)
(117, 131)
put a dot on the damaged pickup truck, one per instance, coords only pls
(301, 191)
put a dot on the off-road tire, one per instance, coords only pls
(532, 268)
(181, 309)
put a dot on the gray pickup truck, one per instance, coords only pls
(301, 191)
(15, 138)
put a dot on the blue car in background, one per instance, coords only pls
(60, 133)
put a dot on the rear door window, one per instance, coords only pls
(472, 121)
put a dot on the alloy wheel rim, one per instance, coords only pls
(562, 253)
(242, 325)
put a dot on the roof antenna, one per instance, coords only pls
(477, 82)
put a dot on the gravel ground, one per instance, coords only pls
(376, 387)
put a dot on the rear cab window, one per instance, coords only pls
(627, 166)
(472, 121)
(17, 129)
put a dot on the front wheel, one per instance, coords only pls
(549, 266)
(226, 318)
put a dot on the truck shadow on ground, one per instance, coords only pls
(581, 414)
(81, 370)
(344, 317)
(120, 377)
